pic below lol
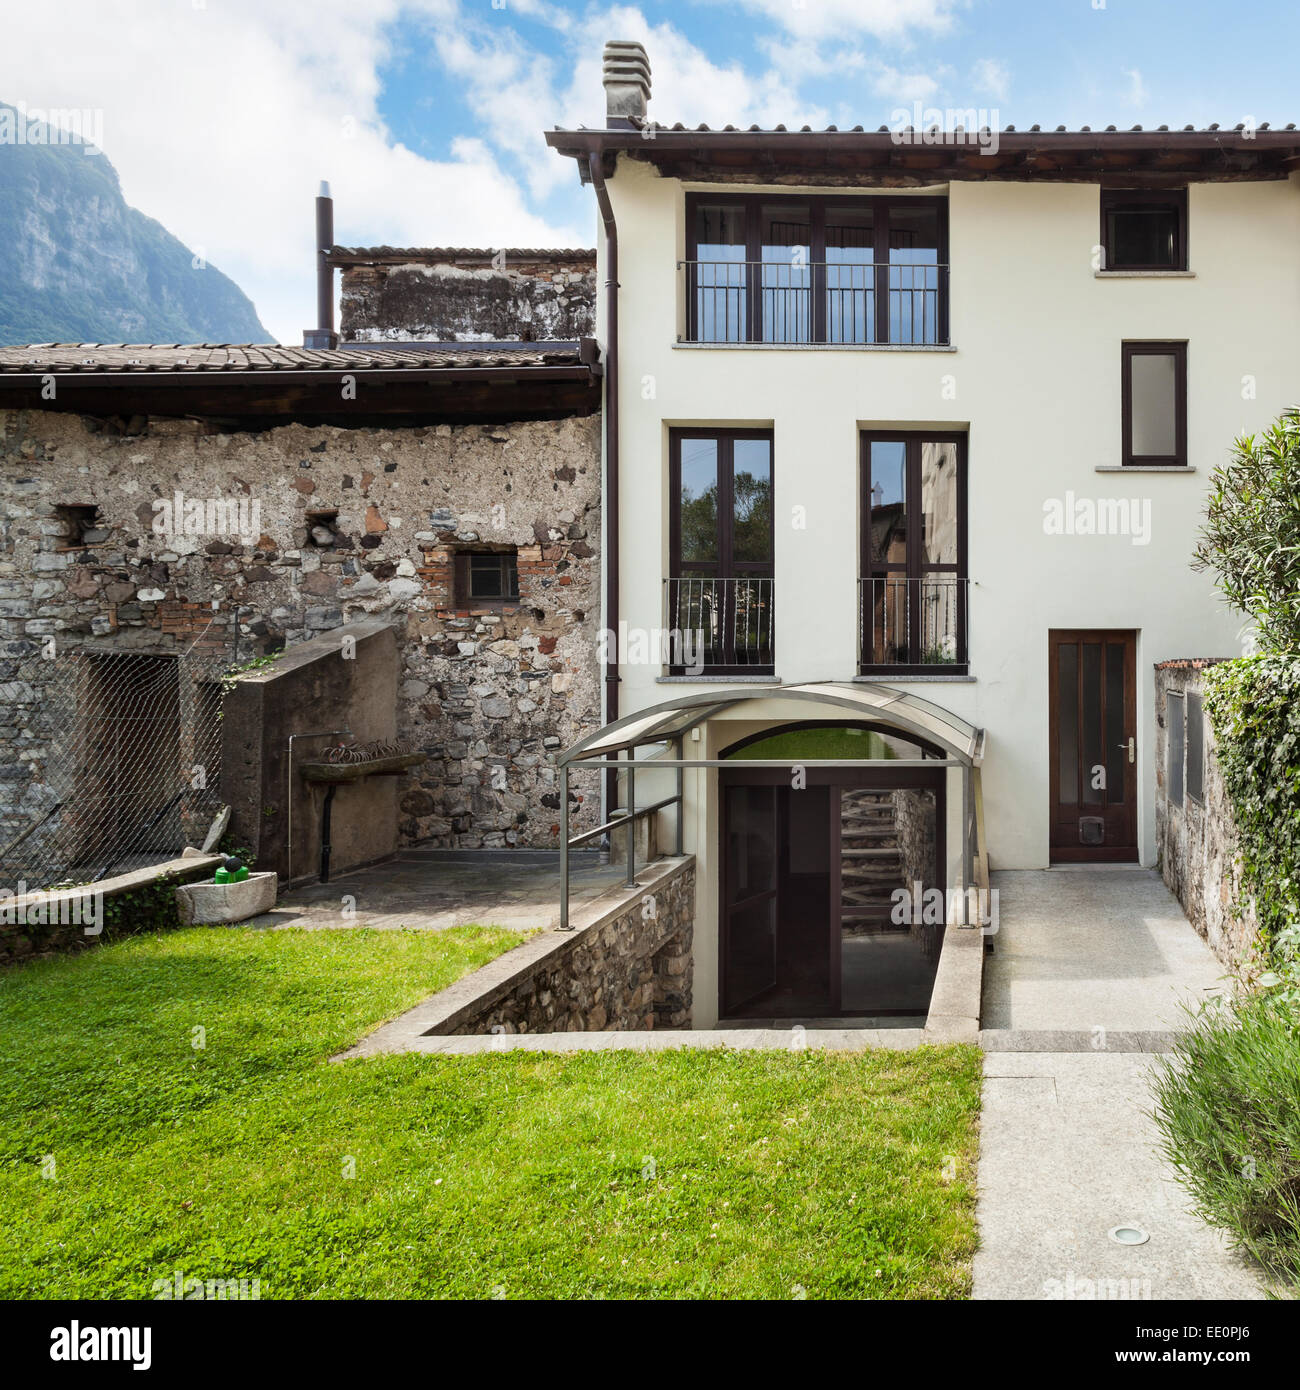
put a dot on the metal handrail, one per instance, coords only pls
(914, 620)
(620, 821)
(731, 620)
(896, 303)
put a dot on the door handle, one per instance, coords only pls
(1131, 746)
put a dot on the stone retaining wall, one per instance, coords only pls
(631, 970)
(1196, 839)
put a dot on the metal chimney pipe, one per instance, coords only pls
(323, 335)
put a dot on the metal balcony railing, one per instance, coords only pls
(913, 623)
(720, 626)
(900, 304)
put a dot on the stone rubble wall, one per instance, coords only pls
(535, 301)
(1196, 843)
(488, 692)
(631, 972)
(914, 819)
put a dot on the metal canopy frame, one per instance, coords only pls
(671, 721)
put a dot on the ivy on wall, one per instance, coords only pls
(1254, 708)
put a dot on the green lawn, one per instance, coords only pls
(510, 1174)
(829, 743)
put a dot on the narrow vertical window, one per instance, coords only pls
(913, 530)
(719, 594)
(1154, 404)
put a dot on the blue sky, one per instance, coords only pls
(427, 115)
(1055, 62)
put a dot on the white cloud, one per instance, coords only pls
(1137, 94)
(993, 77)
(834, 19)
(221, 120)
(904, 88)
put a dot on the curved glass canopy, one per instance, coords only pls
(881, 704)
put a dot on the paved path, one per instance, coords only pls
(1088, 973)
(1068, 1151)
(1087, 949)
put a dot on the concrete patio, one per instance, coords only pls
(431, 890)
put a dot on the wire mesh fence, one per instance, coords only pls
(109, 761)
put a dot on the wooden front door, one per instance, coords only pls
(1093, 746)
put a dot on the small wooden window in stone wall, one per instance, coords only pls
(487, 577)
(1195, 748)
(1174, 751)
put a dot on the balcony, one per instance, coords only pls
(899, 304)
(913, 626)
(720, 627)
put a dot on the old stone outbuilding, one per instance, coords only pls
(229, 508)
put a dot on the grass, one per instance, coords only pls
(682, 1174)
(1228, 1108)
(828, 742)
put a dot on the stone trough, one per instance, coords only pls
(218, 904)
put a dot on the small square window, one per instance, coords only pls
(487, 577)
(81, 525)
(1144, 229)
(1154, 404)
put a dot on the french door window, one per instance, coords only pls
(913, 609)
(720, 591)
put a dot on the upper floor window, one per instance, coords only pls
(913, 537)
(816, 270)
(1144, 229)
(1154, 404)
(719, 595)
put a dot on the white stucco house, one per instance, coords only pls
(908, 437)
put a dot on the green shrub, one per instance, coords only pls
(1254, 709)
(1228, 1108)
(1251, 537)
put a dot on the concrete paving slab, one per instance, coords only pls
(1068, 1150)
(1093, 948)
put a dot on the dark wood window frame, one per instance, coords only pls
(1140, 348)
(1175, 198)
(724, 567)
(462, 567)
(914, 567)
(817, 205)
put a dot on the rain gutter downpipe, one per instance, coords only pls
(611, 464)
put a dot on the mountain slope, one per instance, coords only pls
(77, 264)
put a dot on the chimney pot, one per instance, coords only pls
(627, 83)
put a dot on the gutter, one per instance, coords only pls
(611, 462)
